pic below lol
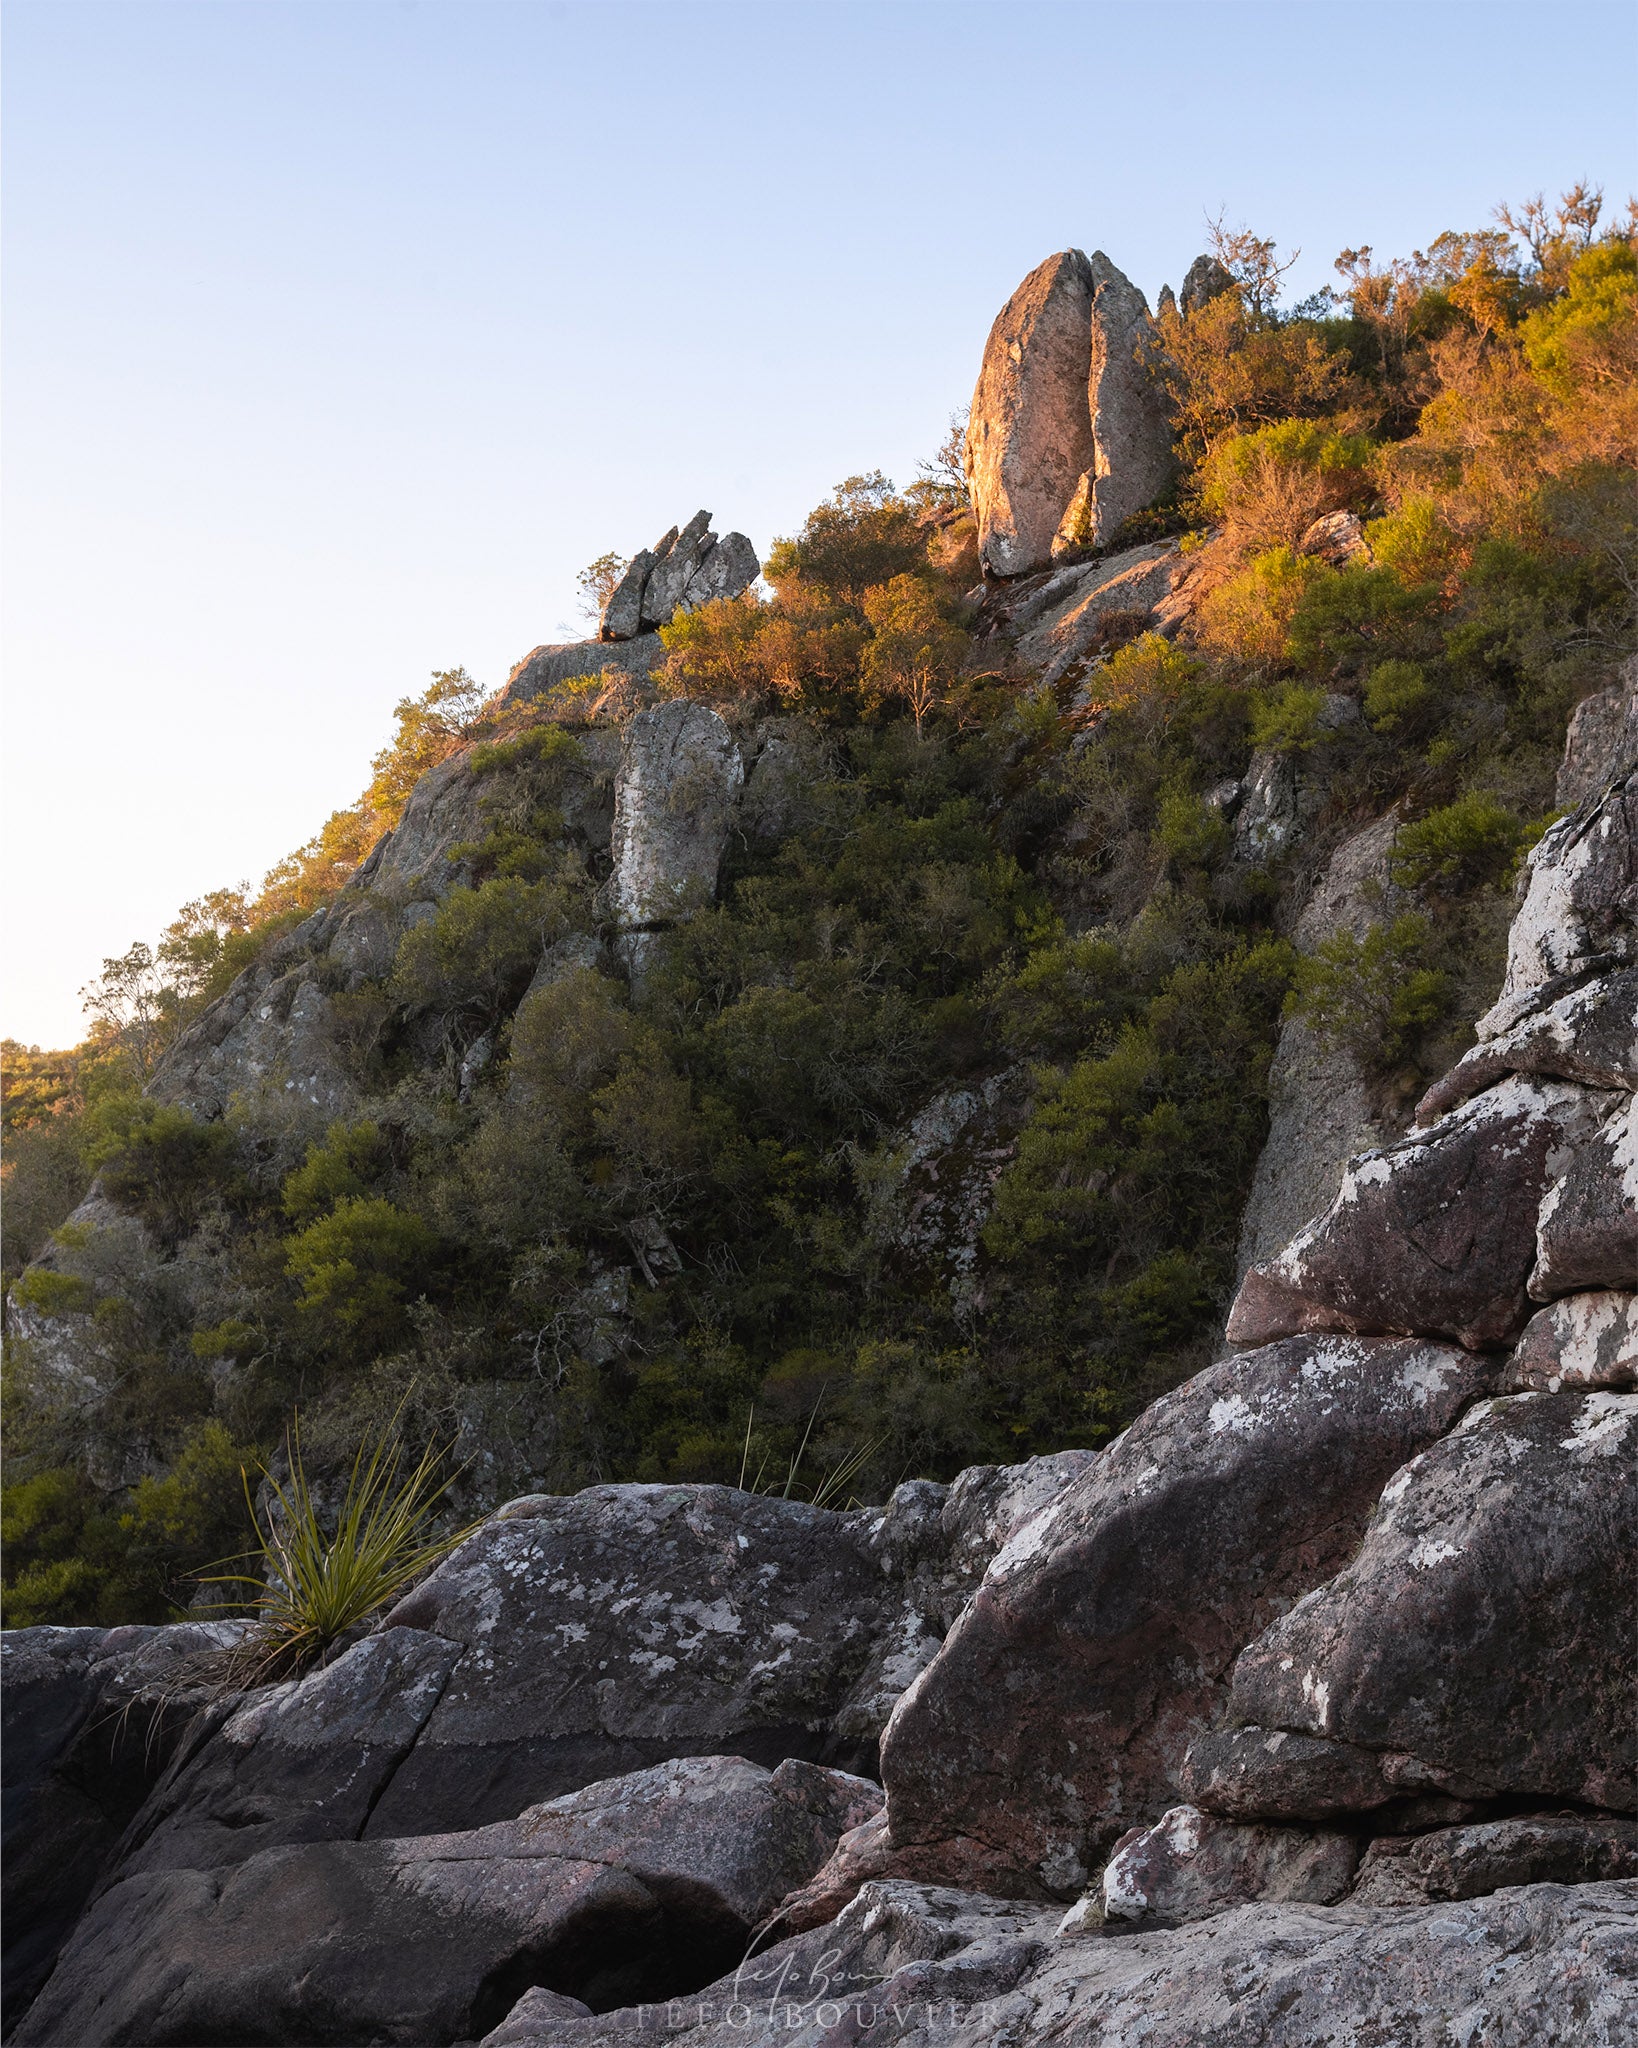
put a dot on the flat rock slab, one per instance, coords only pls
(1467, 1862)
(1550, 1966)
(1058, 1711)
(1435, 1233)
(615, 1892)
(1481, 1642)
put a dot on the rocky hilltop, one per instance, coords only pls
(1297, 1708)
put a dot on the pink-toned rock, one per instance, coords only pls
(1584, 1340)
(1029, 435)
(1480, 1643)
(1433, 1234)
(1058, 1711)
(1190, 1865)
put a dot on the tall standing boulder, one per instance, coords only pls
(680, 772)
(1029, 436)
(1132, 459)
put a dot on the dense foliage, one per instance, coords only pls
(927, 1142)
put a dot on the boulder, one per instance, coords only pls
(1584, 1340)
(623, 1625)
(1551, 1966)
(1465, 1863)
(305, 1761)
(1589, 1034)
(727, 569)
(1132, 459)
(1057, 1712)
(1480, 1642)
(622, 614)
(1320, 1110)
(89, 1719)
(543, 668)
(1579, 916)
(1029, 435)
(1257, 1773)
(1337, 538)
(1587, 1227)
(1204, 280)
(1602, 742)
(680, 771)
(620, 1891)
(1433, 1233)
(1190, 1865)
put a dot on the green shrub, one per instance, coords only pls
(480, 948)
(1377, 996)
(50, 1293)
(1468, 843)
(160, 1162)
(356, 1265)
(1189, 833)
(1287, 720)
(1347, 616)
(1249, 617)
(349, 1161)
(1397, 695)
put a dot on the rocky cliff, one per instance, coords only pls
(1319, 1680)
(1292, 1703)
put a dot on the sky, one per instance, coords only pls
(339, 335)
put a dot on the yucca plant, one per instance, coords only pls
(316, 1585)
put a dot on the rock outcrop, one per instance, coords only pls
(1479, 1644)
(682, 571)
(1060, 1706)
(1551, 1966)
(1029, 433)
(611, 1894)
(680, 772)
(1069, 432)
(1320, 1108)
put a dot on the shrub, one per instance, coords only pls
(1249, 617)
(1347, 615)
(356, 1264)
(1287, 720)
(160, 1162)
(349, 1161)
(1397, 694)
(1189, 833)
(1377, 996)
(480, 948)
(1468, 843)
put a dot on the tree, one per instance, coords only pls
(132, 1008)
(918, 650)
(596, 583)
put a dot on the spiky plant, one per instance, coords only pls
(314, 1585)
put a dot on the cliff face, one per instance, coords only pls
(699, 1071)
(1335, 1637)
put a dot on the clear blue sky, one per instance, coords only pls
(340, 335)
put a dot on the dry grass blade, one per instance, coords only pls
(317, 1585)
